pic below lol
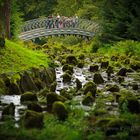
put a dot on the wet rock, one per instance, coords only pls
(59, 109)
(9, 110)
(109, 71)
(93, 68)
(35, 107)
(113, 88)
(78, 84)
(117, 125)
(90, 87)
(51, 98)
(71, 59)
(88, 99)
(98, 79)
(66, 77)
(135, 65)
(53, 86)
(120, 79)
(27, 83)
(105, 64)
(28, 96)
(67, 67)
(32, 119)
(129, 104)
(122, 72)
(80, 65)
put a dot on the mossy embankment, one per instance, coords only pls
(17, 57)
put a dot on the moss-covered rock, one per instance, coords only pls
(88, 99)
(93, 68)
(122, 72)
(35, 107)
(32, 119)
(71, 59)
(78, 84)
(114, 58)
(120, 79)
(68, 67)
(100, 112)
(51, 98)
(109, 71)
(81, 56)
(66, 94)
(98, 79)
(135, 65)
(9, 110)
(117, 125)
(28, 96)
(59, 109)
(113, 88)
(104, 64)
(27, 83)
(66, 77)
(90, 87)
(53, 86)
(80, 64)
(130, 104)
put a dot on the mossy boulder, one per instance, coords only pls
(113, 88)
(2, 42)
(104, 64)
(66, 77)
(28, 96)
(90, 87)
(53, 86)
(9, 110)
(122, 72)
(32, 119)
(51, 98)
(120, 79)
(130, 104)
(135, 65)
(78, 84)
(109, 70)
(93, 68)
(88, 99)
(35, 107)
(59, 109)
(80, 64)
(71, 59)
(117, 125)
(98, 79)
(27, 83)
(67, 67)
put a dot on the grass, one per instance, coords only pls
(15, 57)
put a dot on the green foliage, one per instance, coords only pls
(15, 57)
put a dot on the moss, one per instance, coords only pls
(78, 84)
(135, 65)
(113, 88)
(100, 112)
(53, 86)
(93, 68)
(90, 87)
(9, 110)
(51, 98)
(2, 87)
(32, 119)
(66, 77)
(28, 96)
(35, 107)
(66, 94)
(98, 79)
(104, 64)
(68, 67)
(117, 125)
(80, 64)
(59, 109)
(71, 59)
(88, 99)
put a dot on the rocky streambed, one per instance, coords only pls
(92, 82)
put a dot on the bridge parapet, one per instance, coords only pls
(63, 22)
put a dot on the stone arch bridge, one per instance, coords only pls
(42, 27)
